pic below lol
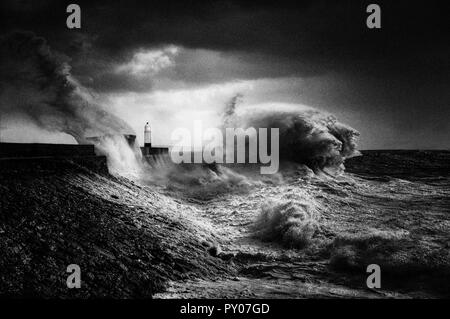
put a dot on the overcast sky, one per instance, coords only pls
(172, 62)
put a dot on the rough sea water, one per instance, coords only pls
(198, 231)
(306, 234)
(312, 229)
(169, 230)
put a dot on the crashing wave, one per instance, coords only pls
(306, 135)
(291, 223)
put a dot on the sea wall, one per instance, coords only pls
(44, 150)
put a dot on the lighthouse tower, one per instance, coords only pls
(147, 136)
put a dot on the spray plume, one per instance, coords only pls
(36, 85)
(307, 135)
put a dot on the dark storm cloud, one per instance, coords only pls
(288, 38)
(328, 34)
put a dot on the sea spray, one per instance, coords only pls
(203, 182)
(306, 135)
(52, 99)
(290, 223)
(122, 158)
(50, 96)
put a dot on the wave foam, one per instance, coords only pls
(293, 224)
(307, 135)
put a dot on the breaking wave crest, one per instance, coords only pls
(291, 223)
(306, 135)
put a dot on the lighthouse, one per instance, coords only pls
(148, 150)
(147, 136)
